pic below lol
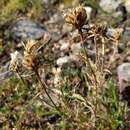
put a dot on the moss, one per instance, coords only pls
(10, 9)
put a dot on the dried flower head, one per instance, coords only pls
(118, 33)
(30, 46)
(15, 63)
(30, 61)
(76, 16)
(31, 55)
(99, 28)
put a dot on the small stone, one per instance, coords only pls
(63, 60)
(88, 11)
(64, 46)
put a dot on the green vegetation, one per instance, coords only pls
(12, 8)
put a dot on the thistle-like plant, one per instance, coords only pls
(76, 17)
(31, 62)
(31, 55)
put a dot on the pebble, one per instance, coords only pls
(62, 60)
(64, 46)
(88, 11)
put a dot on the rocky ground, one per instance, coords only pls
(23, 106)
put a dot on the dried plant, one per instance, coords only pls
(31, 62)
(16, 64)
(97, 69)
(115, 36)
(98, 29)
(76, 17)
(88, 92)
(31, 46)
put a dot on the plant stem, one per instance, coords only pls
(102, 60)
(87, 59)
(81, 35)
(96, 50)
(44, 86)
(21, 78)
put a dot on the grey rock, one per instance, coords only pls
(63, 60)
(27, 29)
(123, 72)
(109, 5)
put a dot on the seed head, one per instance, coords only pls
(30, 46)
(76, 16)
(15, 63)
(99, 28)
(30, 61)
(31, 55)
